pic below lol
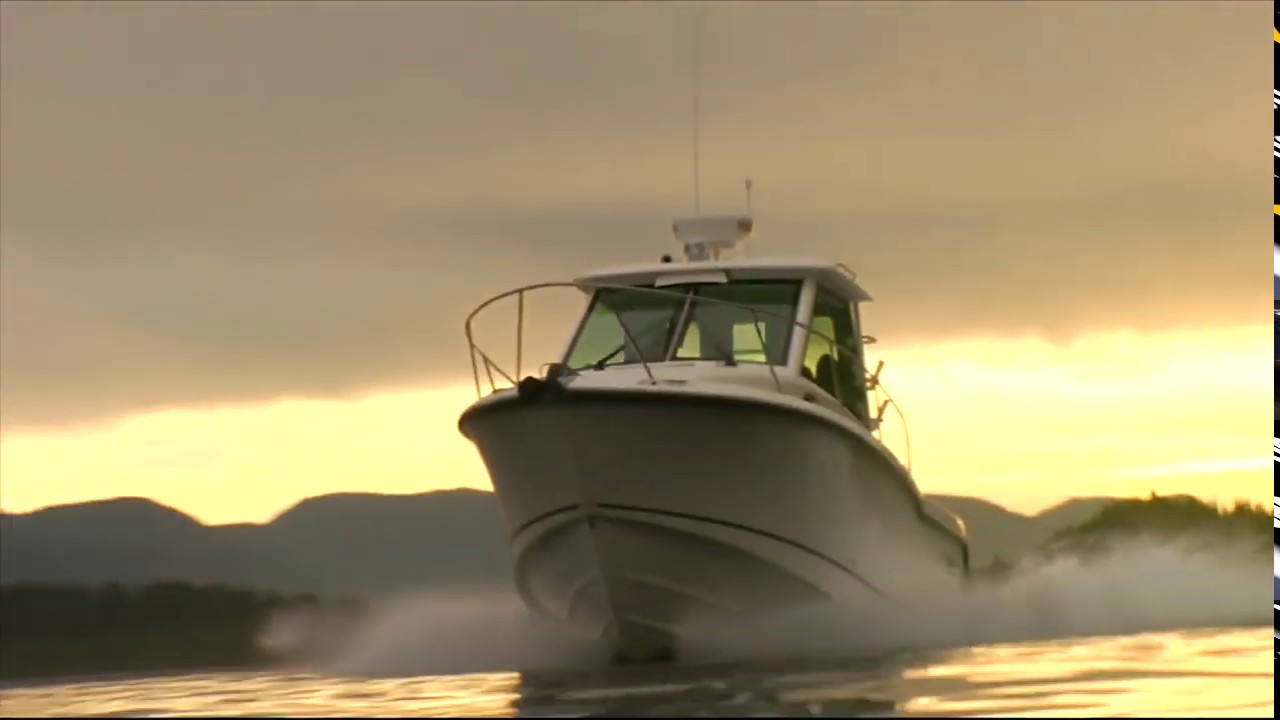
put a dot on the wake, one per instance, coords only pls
(1138, 586)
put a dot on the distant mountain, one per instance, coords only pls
(343, 543)
(357, 542)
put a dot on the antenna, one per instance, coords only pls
(697, 92)
(747, 185)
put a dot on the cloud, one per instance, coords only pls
(205, 203)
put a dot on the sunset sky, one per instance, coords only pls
(238, 240)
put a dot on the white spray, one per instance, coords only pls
(1140, 586)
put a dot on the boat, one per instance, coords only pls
(707, 447)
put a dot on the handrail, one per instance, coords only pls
(873, 385)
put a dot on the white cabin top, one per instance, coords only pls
(832, 276)
(706, 242)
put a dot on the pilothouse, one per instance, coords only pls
(721, 308)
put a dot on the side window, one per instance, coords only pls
(828, 362)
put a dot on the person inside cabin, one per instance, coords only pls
(825, 375)
(852, 392)
(838, 376)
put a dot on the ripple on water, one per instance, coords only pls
(1218, 673)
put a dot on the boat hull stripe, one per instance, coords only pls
(712, 521)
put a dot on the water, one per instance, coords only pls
(1151, 630)
(1211, 672)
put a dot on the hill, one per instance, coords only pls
(335, 543)
(1163, 517)
(360, 542)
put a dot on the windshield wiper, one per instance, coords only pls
(630, 340)
(602, 362)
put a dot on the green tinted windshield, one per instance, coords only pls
(752, 323)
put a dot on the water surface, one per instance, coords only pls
(1194, 673)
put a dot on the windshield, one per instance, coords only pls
(679, 324)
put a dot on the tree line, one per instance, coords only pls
(63, 629)
(1239, 527)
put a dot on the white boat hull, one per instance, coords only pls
(643, 511)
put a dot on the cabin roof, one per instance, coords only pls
(832, 276)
